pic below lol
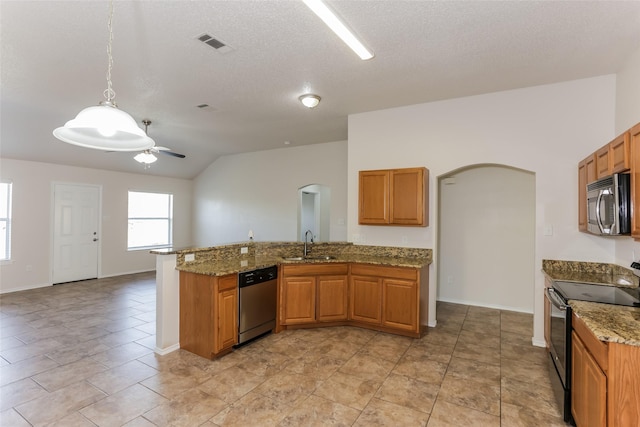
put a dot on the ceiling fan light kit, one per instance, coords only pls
(104, 126)
(145, 157)
(310, 100)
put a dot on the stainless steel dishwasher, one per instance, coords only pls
(257, 302)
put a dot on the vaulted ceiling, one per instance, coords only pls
(54, 62)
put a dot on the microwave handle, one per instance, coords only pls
(554, 299)
(598, 218)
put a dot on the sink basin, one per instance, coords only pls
(309, 258)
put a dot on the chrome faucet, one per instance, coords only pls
(306, 247)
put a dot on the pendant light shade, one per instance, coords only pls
(104, 127)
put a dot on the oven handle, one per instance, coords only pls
(555, 299)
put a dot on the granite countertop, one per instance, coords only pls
(230, 266)
(610, 323)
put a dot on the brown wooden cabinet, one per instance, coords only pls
(589, 386)
(332, 294)
(618, 156)
(603, 164)
(311, 293)
(634, 149)
(365, 300)
(385, 296)
(605, 384)
(619, 153)
(393, 197)
(208, 313)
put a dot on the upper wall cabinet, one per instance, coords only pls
(394, 197)
(634, 142)
(620, 155)
(586, 174)
(613, 157)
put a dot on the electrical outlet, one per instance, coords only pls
(189, 257)
(405, 240)
(244, 250)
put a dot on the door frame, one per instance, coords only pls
(52, 210)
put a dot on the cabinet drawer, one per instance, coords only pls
(314, 269)
(227, 282)
(598, 349)
(381, 271)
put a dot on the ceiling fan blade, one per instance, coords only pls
(171, 153)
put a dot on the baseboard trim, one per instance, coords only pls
(25, 288)
(167, 350)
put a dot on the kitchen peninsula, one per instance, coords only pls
(391, 273)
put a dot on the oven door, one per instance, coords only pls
(560, 351)
(560, 334)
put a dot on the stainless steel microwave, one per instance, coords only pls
(609, 205)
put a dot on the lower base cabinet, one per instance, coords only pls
(313, 293)
(367, 295)
(605, 381)
(208, 313)
(589, 386)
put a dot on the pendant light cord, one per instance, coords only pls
(109, 93)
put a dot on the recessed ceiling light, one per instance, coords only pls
(341, 30)
(309, 100)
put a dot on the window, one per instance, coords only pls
(150, 220)
(5, 221)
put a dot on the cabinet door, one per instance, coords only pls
(373, 207)
(365, 299)
(408, 196)
(619, 152)
(635, 180)
(332, 298)
(603, 162)
(400, 304)
(582, 196)
(298, 300)
(196, 324)
(589, 387)
(227, 334)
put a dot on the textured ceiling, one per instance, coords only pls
(53, 64)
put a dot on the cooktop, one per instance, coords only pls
(599, 293)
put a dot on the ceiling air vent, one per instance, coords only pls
(214, 43)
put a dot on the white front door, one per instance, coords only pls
(75, 232)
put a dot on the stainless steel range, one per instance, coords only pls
(560, 328)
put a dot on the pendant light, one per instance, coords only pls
(104, 126)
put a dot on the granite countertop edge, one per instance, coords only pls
(610, 323)
(222, 268)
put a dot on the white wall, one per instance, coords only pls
(544, 129)
(259, 191)
(31, 264)
(487, 230)
(627, 115)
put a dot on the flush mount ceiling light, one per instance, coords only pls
(104, 126)
(310, 100)
(331, 19)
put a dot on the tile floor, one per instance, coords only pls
(81, 354)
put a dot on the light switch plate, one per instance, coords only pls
(189, 257)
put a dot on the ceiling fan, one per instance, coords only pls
(147, 156)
